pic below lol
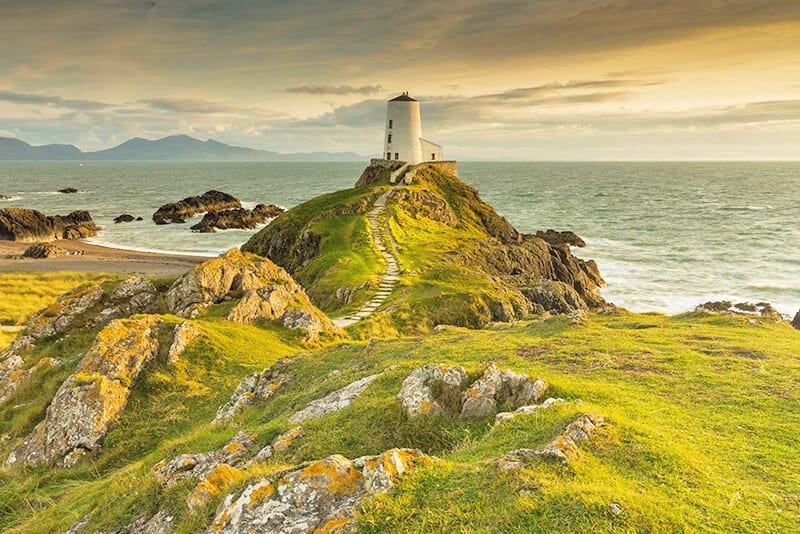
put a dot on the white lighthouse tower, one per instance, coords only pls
(403, 138)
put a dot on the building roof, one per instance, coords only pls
(403, 98)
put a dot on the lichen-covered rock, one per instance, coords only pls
(432, 390)
(320, 497)
(56, 318)
(160, 523)
(199, 465)
(132, 296)
(439, 389)
(91, 399)
(184, 334)
(495, 388)
(13, 374)
(281, 443)
(220, 478)
(254, 387)
(533, 408)
(564, 447)
(267, 292)
(335, 401)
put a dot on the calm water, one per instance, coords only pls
(665, 235)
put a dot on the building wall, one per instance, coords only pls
(431, 151)
(450, 167)
(406, 132)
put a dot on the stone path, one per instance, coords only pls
(378, 222)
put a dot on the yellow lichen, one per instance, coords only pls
(426, 406)
(262, 494)
(347, 482)
(334, 525)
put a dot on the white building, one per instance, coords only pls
(403, 139)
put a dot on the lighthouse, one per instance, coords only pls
(403, 137)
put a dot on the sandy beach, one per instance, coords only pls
(96, 258)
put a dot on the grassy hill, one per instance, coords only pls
(701, 411)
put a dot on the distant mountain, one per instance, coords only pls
(172, 148)
(16, 149)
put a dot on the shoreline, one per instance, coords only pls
(93, 257)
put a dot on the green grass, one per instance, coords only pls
(26, 292)
(703, 416)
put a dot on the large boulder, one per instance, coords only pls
(446, 389)
(320, 497)
(334, 401)
(563, 448)
(433, 390)
(90, 400)
(237, 218)
(497, 388)
(796, 320)
(44, 251)
(267, 292)
(179, 211)
(254, 387)
(28, 225)
(558, 239)
(726, 307)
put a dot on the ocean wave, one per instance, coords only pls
(746, 208)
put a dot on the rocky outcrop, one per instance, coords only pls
(68, 190)
(178, 212)
(796, 320)
(44, 251)
(267, 292)
(161, 522)
(132, 296)
(333, 402)
(378, 172)
(528, 409)
(13, 373)
(280, 444)
(185, 333)
(445, 389)
(253, 388)
(89, 306)
(125, 218)
(520, 274)
(55, 319)
(496, 388)
(563, 448)
(199, 465)
(91, 399)
(726, 307)
(320, 497)
(27, 225)
(237, 218)
(558, 239)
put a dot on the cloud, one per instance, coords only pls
(187, 106)
(45, 100)
(335, 89)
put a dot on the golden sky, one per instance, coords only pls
(530, 79)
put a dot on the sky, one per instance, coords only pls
(497, 80)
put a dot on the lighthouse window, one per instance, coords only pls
(388, 155)
(390, 138)
(396, 155)
(433, 156)
(390, 123)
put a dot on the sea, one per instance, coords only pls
(666, 236)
